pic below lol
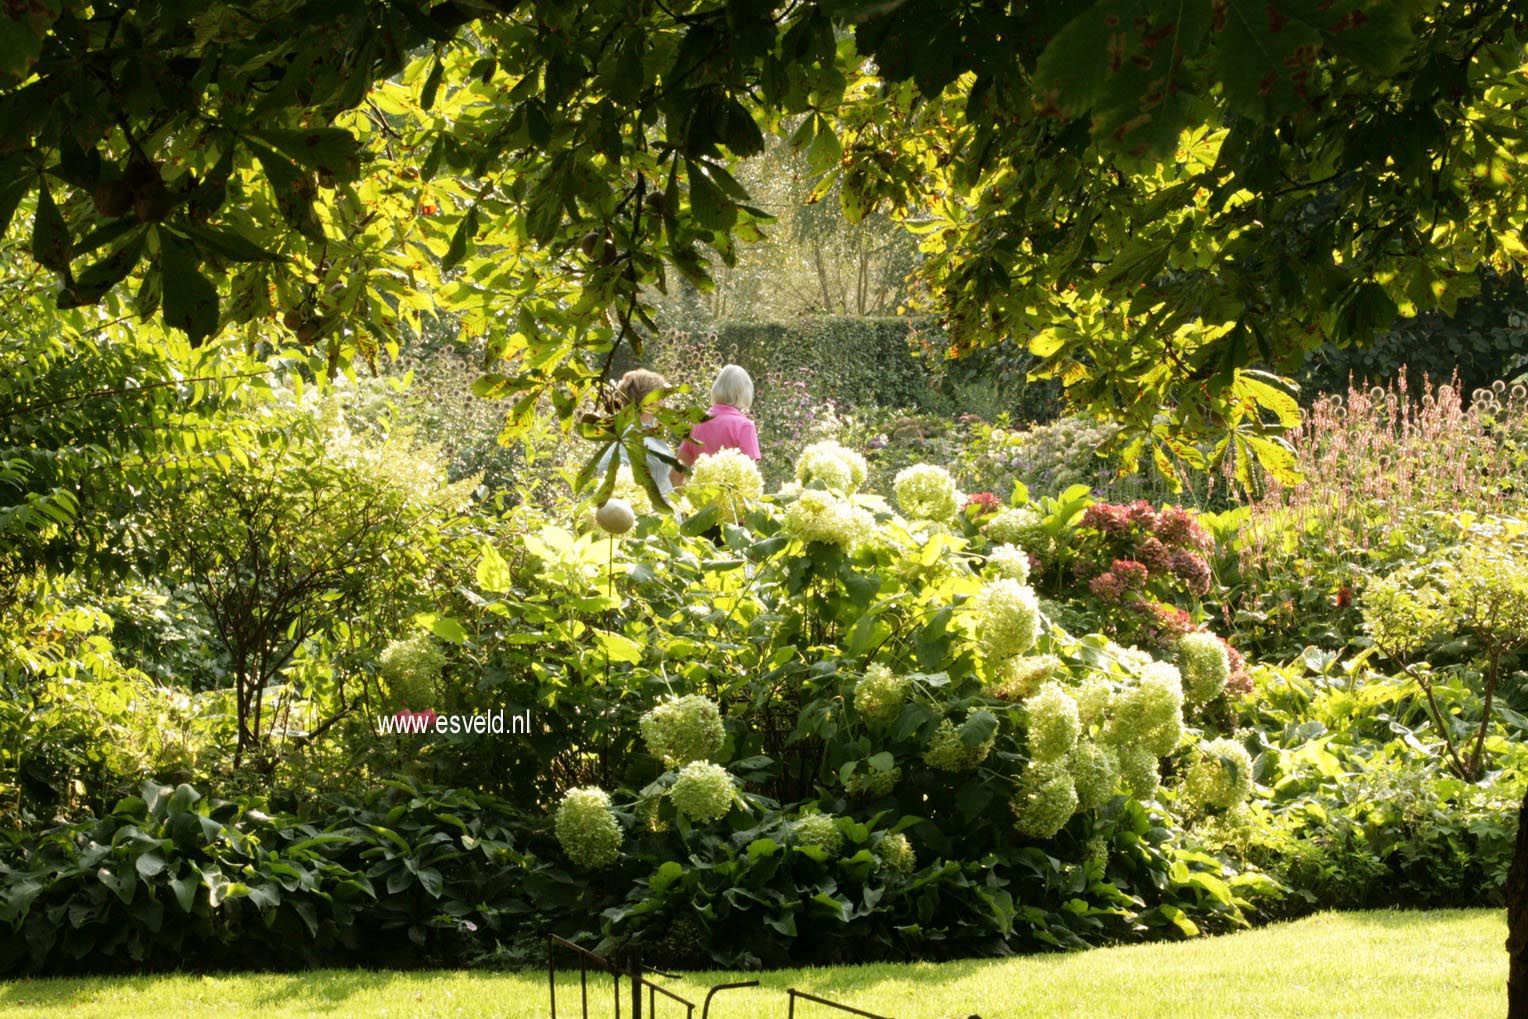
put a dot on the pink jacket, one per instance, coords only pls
(726, 428)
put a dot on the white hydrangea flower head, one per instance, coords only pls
(1205, 664)
(1008, 561)
(880, 694)
(626, 488)
(587, 829)
(948, 751)
(1012, 525)
(727, 479)
(924, 491)
(1138, 771)
(832, 465)
(897, 855)
(410, 668)
(1053, 724)
(1094, 698)
(1095, 772)
(1046, 800)
(817, 515)
(1149, 713)
(1020, 677)
(1220, 777)
(703, 791)
(683, 729)
(819, 830)
(1008, 618)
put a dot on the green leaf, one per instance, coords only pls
(227, 243)
(448, 629)
(618, 647)
(190, 300)
(709, 203)
(493, 572)
(332, 150)
(50, 235)
(701, 522)
(96, 281)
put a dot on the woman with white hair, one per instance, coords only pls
(727, 425)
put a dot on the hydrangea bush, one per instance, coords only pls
(901, 709)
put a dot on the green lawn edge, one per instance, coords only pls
(1364, 965)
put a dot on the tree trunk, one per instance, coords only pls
(1517, 921)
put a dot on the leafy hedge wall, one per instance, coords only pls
(855, 361)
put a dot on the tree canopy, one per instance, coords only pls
(1157, 198)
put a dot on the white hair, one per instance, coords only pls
(733, 387)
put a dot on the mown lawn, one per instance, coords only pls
(1384, 965)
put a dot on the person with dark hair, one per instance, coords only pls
(634, 389)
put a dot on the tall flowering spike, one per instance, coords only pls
(926, 492)
(821, 516)
(684, 729)
(1008, 618)
(896, 855)
(703, 791)
(1094, 768)
(1220, 776)
(587, 829)
(1205, 665)
(727, 479)
(819, 830)
(1046, 800)
(833, 466)
(1008, 561)
(1053, 724)
(880, 694)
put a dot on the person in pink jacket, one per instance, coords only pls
(727, 425)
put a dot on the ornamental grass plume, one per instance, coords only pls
(818, 830)
(1205, 666)
(1053, 724)
(1220, 777)
(587, 829)
(832, 465)
(727, 479)
(926, 492)
(1046, 800)
(703, 791)
(897, 855)
(880, 694)
(821, 516)
(683, 729)
(1008, 618)
(1009, 561)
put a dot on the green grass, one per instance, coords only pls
(1384, 965)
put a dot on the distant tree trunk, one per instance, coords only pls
(1517, 921)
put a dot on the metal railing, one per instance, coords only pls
(633, 972)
